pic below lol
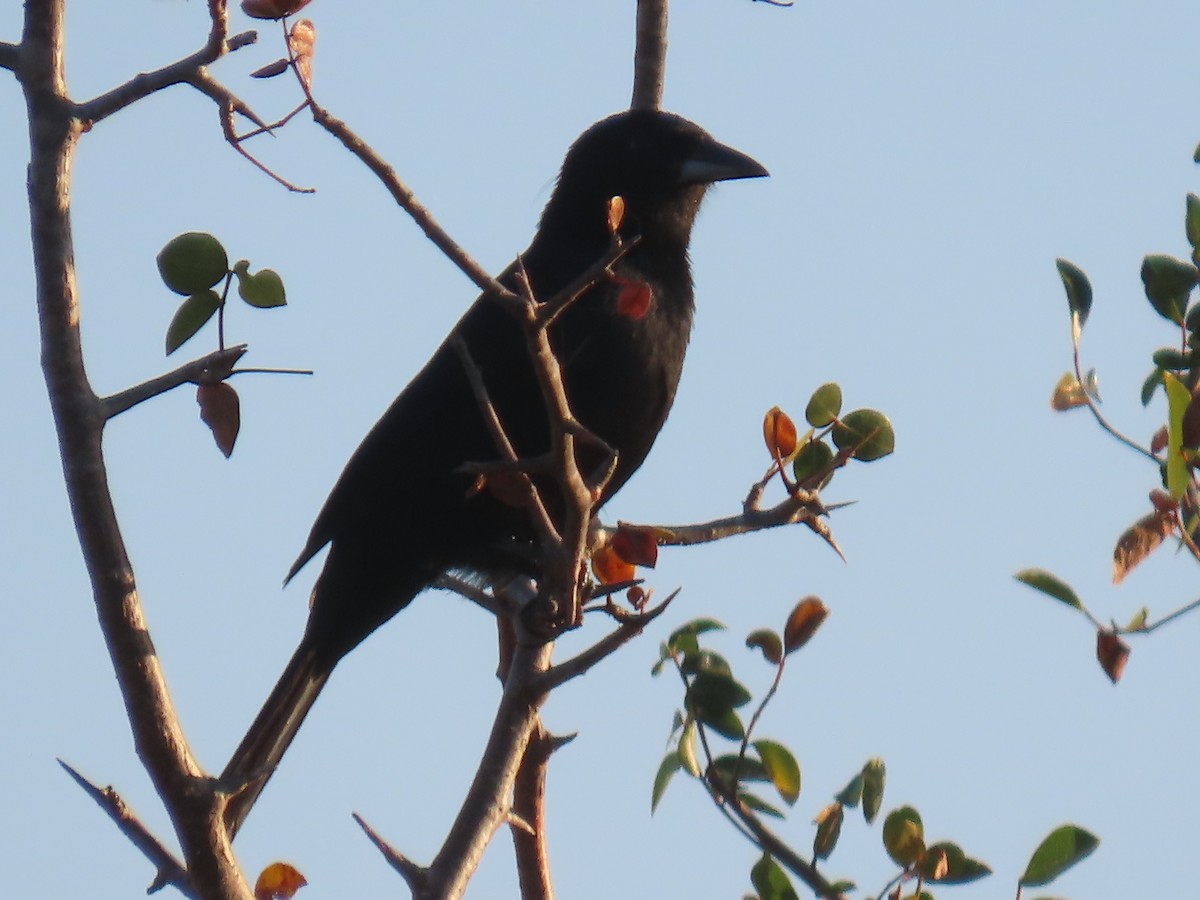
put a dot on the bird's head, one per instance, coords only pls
(660, 164)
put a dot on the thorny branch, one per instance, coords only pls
(170, 870)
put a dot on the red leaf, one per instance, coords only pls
(272, 9)
(637, 546)
(1113, 653)
(779, 431)
(803, 623)
(633, 297)
(220, 410)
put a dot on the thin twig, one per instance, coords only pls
(649, 55)
(579, 664)
(222, 96)
(183, 71)
(801, 508)
(216, 366)
(170, 870)
(533, 498)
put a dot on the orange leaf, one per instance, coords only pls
(1140, 540)
(278, 881)
(803, 623)
(637, 546)
(616, 213)
(220, 410)
(609, 567)
(633, 297)
(779, 431)
(302, 39)
(1068, 394)
(1113, 653)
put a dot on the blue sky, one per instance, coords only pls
(928, 164)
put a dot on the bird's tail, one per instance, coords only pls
(271, 733)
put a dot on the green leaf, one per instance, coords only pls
(760, 806)
(715, 689)
(1171, 360)
(687, 749)
(904, 836)
(705, 661)
(746, 768)
(1168, 281)
(960, 868)
(767, 641)
(724, 722)
(263, 289)
(1192, 223)
(874, 774)
(1062, 848)
(851, 794)
(190, 318)
(1079, 290)
(812, 458)
(1153, 380)
(1178, 398)
(192, 262)
(867, 431)
(693, 628)
(1049, 584)
(770, 881)
(782, 767)
(824, 405)
(666, 770)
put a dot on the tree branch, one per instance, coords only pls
(79, 417)
(170, 870)
(804, 508)
(216, 366)
(486, 805)
(650, 55)
(529, 807)
(603, 648)
(10, 56)
(180, 72)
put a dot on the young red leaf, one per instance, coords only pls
(634, 298)
(1113, 653)
(637, 546)
(803, 623)
(220, 410)
(768, 642)
(779, 433)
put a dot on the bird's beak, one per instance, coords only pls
(718, 162)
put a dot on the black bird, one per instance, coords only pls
(402, 513)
